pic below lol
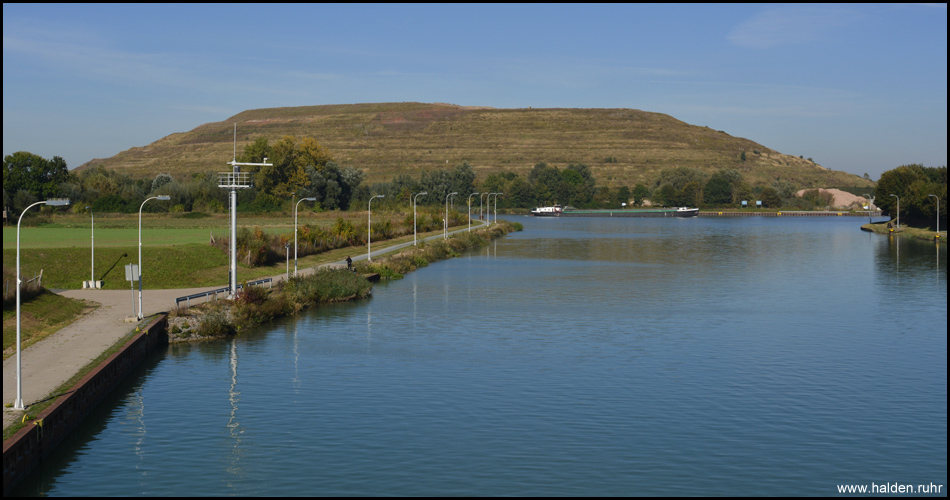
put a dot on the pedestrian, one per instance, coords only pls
(349, 263)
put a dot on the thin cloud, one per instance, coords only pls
(788, 26)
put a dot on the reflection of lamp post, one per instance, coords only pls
(295, 232)
(92, 226)
(414, 216)
(938, 212)
(163, 197)
(445, 220)
(898, 210)
(470, 211)
(18, 402)
(369, 228)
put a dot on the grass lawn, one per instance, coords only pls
(912, 232)
(173, 256)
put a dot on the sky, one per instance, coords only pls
(857, 88)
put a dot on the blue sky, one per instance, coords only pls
(859, 88)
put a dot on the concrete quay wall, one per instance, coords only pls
(23, 451)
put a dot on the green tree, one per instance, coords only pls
(640, 193)
(770, 197)
(912, 184)
(33, 173)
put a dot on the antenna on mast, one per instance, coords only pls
(234, 154)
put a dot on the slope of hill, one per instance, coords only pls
(621, 146)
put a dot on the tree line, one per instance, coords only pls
(304, 168)
(918, 188)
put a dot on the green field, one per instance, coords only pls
(173, 255)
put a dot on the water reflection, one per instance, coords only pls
(610, 357)
(234, 427)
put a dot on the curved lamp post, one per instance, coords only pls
(445, 221)
(369, 228)
(295, 231)
(18, 402)
(470, 211)
(480, 205)
(163, 197)
(898, 210)
(414, 215)
(496, 206)
(938, 211)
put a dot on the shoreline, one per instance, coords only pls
(224, 319)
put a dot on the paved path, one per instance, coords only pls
(52, 361)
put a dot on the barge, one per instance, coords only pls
(557, 211)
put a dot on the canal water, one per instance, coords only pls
(741, 356)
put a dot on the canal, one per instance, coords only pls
(704, 356)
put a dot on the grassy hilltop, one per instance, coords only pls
(621, 146)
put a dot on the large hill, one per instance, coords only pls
(621, 146)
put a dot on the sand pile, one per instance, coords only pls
(840, 199)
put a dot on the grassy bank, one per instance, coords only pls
(910, 232)
(256, 305)
(394, 266)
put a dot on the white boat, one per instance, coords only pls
(554, 211)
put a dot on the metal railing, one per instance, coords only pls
(214, 293)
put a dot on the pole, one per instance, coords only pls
(18, 402)
(470, 211)
(938, 211)
(369, 228)
(414, 216)
(295, 231)
(160, 197)
(92, 268)
(445, 221)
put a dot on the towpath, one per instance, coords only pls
(52, 361)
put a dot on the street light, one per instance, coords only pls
(163, 197)
(414, 215)
(496, 206)
(295, 232)
(898, 210)
(445, 220)
(18, 402)
(287, 247)
(480, 205)
(470, 211)
(369, 228)
(92, 276)
(870, 203)
(938, 212)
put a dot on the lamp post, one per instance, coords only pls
(369, 228)
(414, 215)
(496, 207)
(295, 232)
(18, 402)
(870, 203)
(480, 205)
(445, 220)
(92, 226)
(938, 211)
(470, 211)
(898, 210)
(163, 197)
